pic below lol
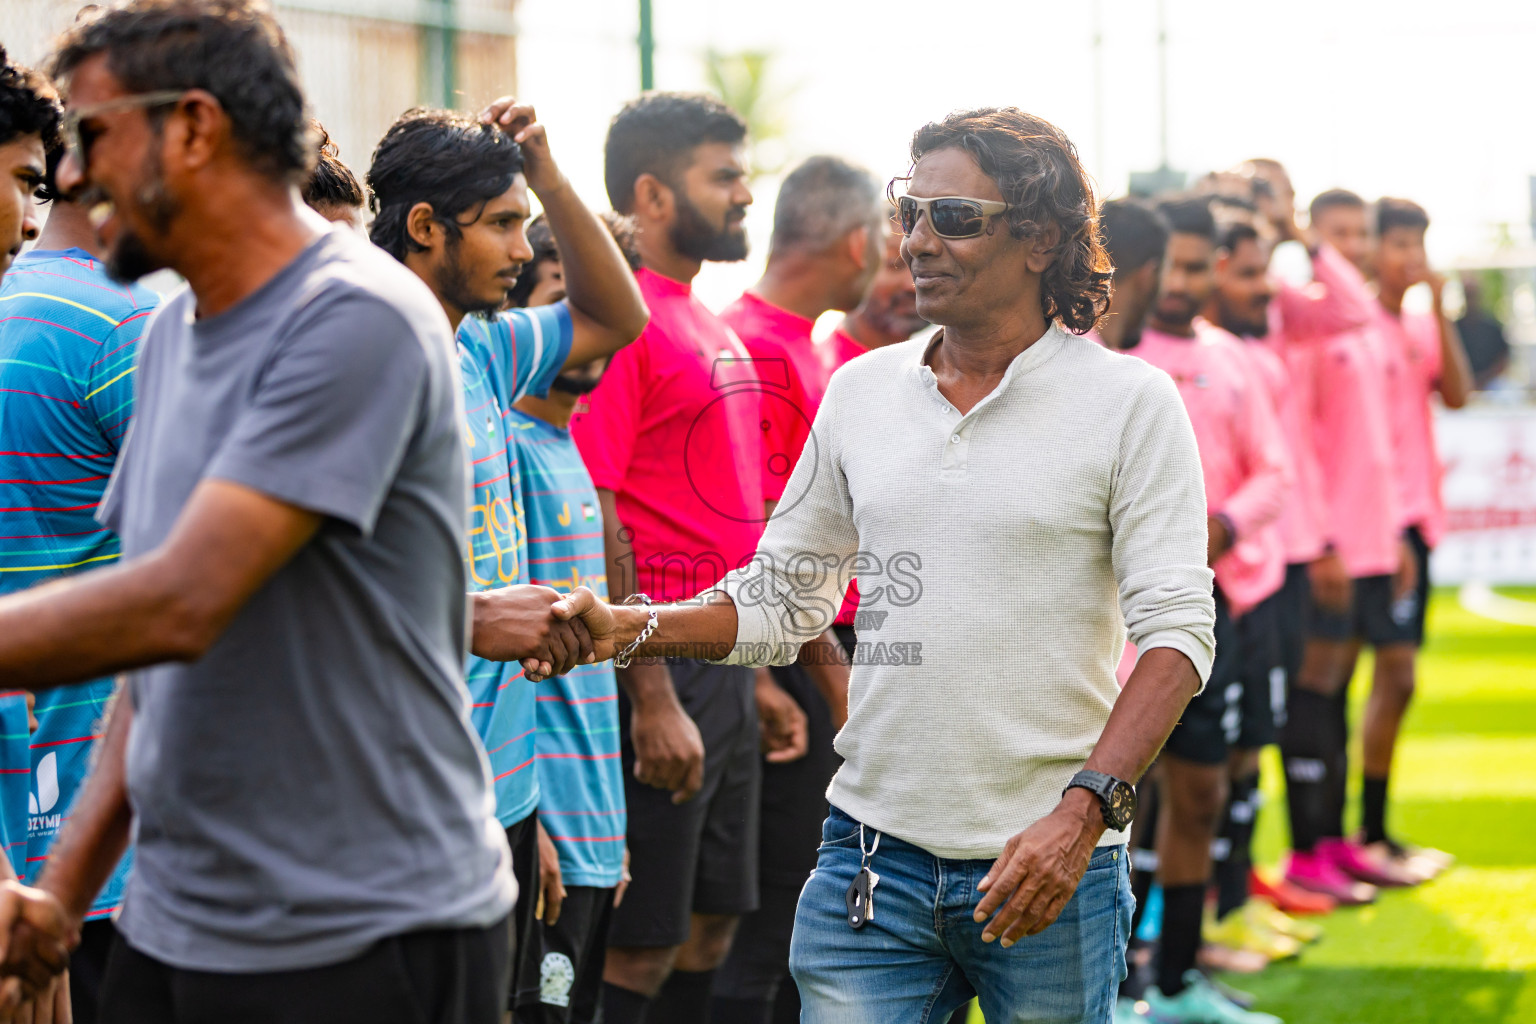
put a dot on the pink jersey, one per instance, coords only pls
(838, 349)
(1414, 339)
(1242, 452)
(673, 431)
(793, 381)
(1352, 436)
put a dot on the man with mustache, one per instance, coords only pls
(451, 198)
(295, 752)
(672, 439)
(1246, 481)
(1066, 479)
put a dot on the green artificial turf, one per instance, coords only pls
(1462, 949)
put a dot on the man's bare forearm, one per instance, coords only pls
(88, 626)
(96, 834)
(598, 282)
(1149, 707)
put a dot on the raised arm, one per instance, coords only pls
(607, 312)
(1337, 299)
(1455, 383)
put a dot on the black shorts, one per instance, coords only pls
(1372, 617)
(572, 952)
(701, 856)
(448, 976)
(1210, 724)
(523, 980)
(794, 807)
(88, 967)
(1261, 673)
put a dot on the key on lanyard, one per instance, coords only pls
(861, 891)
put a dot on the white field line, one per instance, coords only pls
(1480, 599)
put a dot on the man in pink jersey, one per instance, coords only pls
(1240, 304)
(1136, 238)
(1429, 351)
(1243, 459)
(829, 225)
(1309, 324)
(671, 438)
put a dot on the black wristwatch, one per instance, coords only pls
(1117, 797)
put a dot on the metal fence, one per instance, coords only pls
(362, 61)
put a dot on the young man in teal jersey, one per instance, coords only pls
(450, 197)
(69, 338)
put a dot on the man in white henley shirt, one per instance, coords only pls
(1018, 500)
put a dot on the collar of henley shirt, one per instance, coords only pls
(954, 460)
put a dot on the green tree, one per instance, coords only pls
(742, 80)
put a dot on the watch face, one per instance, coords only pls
(1121, 807)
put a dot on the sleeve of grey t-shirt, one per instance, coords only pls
(333, 411)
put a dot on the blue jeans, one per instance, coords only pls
(921, 956)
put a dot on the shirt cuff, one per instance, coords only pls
(1199, 653)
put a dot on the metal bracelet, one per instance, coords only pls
(622, 659)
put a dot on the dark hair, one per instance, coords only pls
(1399, 213)
(1037, 170)
(1235, 233)
(332, 182)
(657, 134)
(1189, 215)
(1334, 198)
(541, 239)
(821, 201)
(1134, 234)
(28, 105)
(441, 157)
(233, 49)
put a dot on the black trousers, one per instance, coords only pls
(452, 976)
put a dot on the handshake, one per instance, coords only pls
(549, 633)
(36, 936)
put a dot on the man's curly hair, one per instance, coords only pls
(28, 105)
(1038, 172)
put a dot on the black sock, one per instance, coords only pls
(1237, 834)
(1182, 906)
(1373, 809)
(683, 999)
(727, 1010)
(1338, 766)
(1306, 747)
(621, 1006)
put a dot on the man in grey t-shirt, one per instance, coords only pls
(312, 809)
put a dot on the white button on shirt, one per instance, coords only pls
(1065, 510)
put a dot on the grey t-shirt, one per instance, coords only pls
(312, 784)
